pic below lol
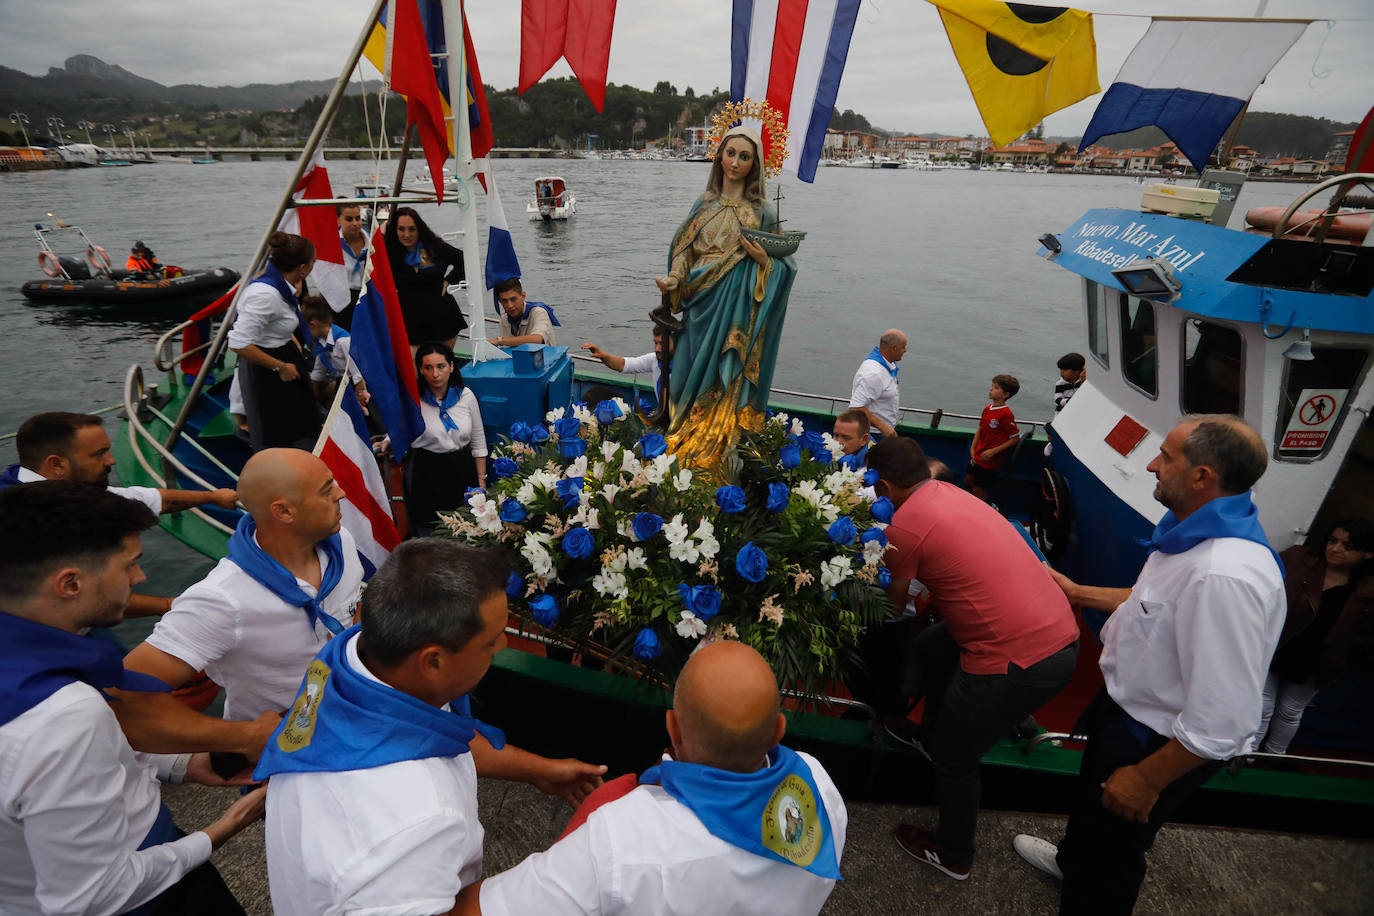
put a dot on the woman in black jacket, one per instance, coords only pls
(423, 266)
(1330, 607)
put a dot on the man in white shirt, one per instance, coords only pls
(290, 582)
(637, 365)
(82, 826)
(525, 322)
(732, 822)
(373, 793)
(875, 384)
(1184, 658)
(75, 447)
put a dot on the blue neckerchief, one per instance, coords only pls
(1223, 517)
(278, 580)
(750, 810)
(343, 720)
(515, 322)
(40, 660)
(450, 400)
(856, 461)
(272, 277)
(413, 255)
(359, 260)
(877, 357)
(326, 346)
(10, 477)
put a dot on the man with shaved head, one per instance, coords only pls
(730, 822)
(289, 583)
(875, 384)
(1184, 658)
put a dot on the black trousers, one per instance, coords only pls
(1102, 856)
(887, 651)
(965, 715)
(281, 414)
(435, 482)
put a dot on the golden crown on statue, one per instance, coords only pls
(774, 130)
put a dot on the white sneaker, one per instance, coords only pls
(1038, 852)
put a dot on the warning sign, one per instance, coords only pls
(1313, 419)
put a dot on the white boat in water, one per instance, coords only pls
(552, 200)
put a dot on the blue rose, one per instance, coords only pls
(538, 435)
(646, 525)
(851, 462)
(842, 531)
(545, 609)
(505, 467)
(608, 412)
(814, 443)
(568, 428)
(873, 534)
(646, 645)
(471, 490)
(512, 511)
(884, 578)
(647, 404)
(881, 510)
(515, 584)
(870, 478)
(778, 497)
(572, 448)
(751, 562)
(651, 445)
(790, 454)
(701, 600)
(730, 499)
(578, 542)
(520, 431)
(569, 489)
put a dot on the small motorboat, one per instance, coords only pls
(94, 278)
(552, 200)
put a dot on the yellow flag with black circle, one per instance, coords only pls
(1022, 61)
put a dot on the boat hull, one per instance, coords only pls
(197, 283)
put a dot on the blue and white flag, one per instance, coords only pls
(502, 264)
(1191, 78)
(793, 55)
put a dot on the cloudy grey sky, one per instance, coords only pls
(901, 72)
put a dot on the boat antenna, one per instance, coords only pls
(778, 198)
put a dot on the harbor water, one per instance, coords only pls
(947, 256)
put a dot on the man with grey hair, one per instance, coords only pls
(875, 384)
(373, 799)
(1184, 657)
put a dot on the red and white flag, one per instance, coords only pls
(321, 226)
(346, 448)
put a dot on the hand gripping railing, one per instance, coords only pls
(1236, 764)
(134, 401)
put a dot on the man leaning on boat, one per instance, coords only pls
(1184, 658)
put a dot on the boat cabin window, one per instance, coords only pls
(1313, 401)
(1213, 368)
(1097, 321)
(1139, 354)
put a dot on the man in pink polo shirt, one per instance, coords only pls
(1006, 644)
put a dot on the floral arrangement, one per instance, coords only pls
(622, 553)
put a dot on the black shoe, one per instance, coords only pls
(1026, 729)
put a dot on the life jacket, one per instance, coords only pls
(140, 264)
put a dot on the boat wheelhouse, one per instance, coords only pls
(552, 200)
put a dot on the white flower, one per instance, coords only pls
(634, 559)
(478, 502)
(598, 469)
(829, 511)
(609, 491)
(554, 415)
(873, 552)
(624, 408)
(526, 493)
(582, 413)
(780, 418)
(577, 467)
(489, 519)
(586, 517)
(675, 531)
(610, 584)
(684, 552)
(707, 545)
(630, 464)
(808, 491)
(797, 427)
(833, 446)
(652, 473)
(544, 481)
(664, 462)
(843, 479)
(834, 571)
(609, 450)
(626, 530)
(535, 552)
(691, 627)
(683, 480)
(704, 530)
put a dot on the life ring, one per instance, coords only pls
(48, 261)
(1051, 516)
(98, 259)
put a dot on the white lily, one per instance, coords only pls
(797, 427)
(683, 481)
(675, 531)
(577, 467)
(691, 626)
(554, 415)
(634, 559)
(834, 571)
(609, 450)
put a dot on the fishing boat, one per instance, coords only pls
(94, 278)
(552, 200)
(1187, 328)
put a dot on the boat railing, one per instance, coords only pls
(162, 356)
(1257, 760)
(135, 404)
